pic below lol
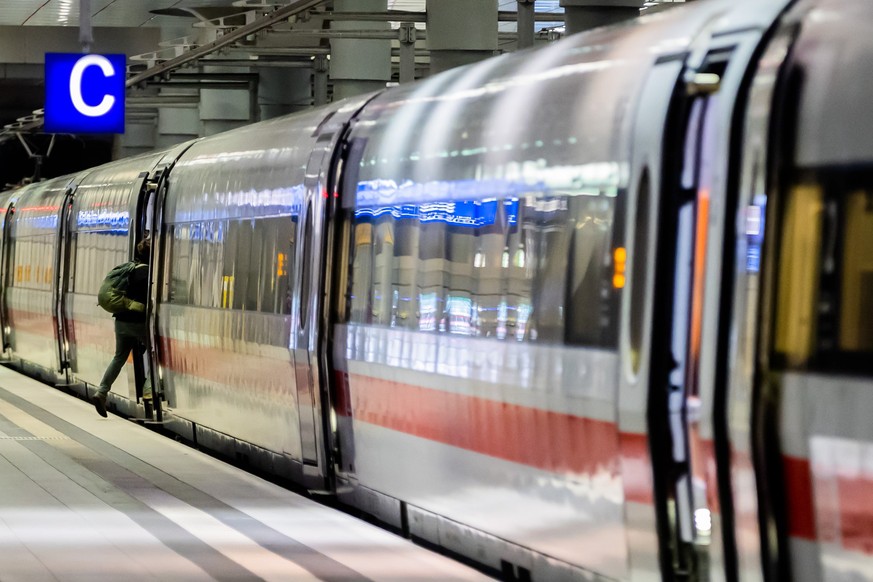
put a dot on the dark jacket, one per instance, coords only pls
(137, 289)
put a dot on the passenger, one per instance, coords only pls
(130, 329)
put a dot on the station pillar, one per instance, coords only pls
(526, 23)
(178, 124)
(582, 15)
(460, 32)
(359, 65)
(222, 109)
(283, 90)
(139, 137)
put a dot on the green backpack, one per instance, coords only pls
(111, 296)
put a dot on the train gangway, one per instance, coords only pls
(88, 498)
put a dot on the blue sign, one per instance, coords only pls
(84, 93)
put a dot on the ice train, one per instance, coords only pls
(600, 310)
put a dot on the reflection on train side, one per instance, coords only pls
(535, 267)
(755, 219)
(233, 264)
(115, 221)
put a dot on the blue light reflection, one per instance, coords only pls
(472, 213)
(113, 221)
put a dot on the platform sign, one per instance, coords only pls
(84, 93)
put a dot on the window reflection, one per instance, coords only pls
(32, 257)
(96, 253)
(535, 267)
(233, 264)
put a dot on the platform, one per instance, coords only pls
(87, 498)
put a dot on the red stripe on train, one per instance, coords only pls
(226, 366)
(552, 441)
(798, 488)
(636, 468)
(855, 495)
(855, 506)
(32, 322)
(547, 440)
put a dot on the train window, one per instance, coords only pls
(856, 297)
(306, 273)
(233, 264)
(245, 275)
(96, 252)
(362, 271)
(465, 267)
(202, 273)
(381, 301)
(824, 308)
(406, 246)
(544, 221)
(590, 274)
(275, 260)
(179, 259)
(798, 273)
(32, 262)
(432, 274)
(529, 268)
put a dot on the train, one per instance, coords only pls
(600, 310)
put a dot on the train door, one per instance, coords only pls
(683, 409)
(5, 274)
(149, 222)
(311, 315)
(312, 271)
(751, 425)
(637, 338)
(804, 295)
(62, 279)
(704, 510)
(140, 229)
(674, 403)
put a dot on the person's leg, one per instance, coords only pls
(124, 343)
(143, 380)
(139, 368)
(143, 383)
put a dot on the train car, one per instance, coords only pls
(528, 342)
(238, 296)
(801, 362)
(594, 311)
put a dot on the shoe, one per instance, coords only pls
(100, 404)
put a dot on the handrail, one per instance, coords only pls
(231, 37)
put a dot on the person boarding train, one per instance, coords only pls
(130, 326)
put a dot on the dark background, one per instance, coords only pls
(20, 97)
(70, 154)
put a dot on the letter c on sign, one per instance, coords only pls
(76, 85)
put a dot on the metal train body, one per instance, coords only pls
(596, 311)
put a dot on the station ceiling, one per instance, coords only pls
(19, 96)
